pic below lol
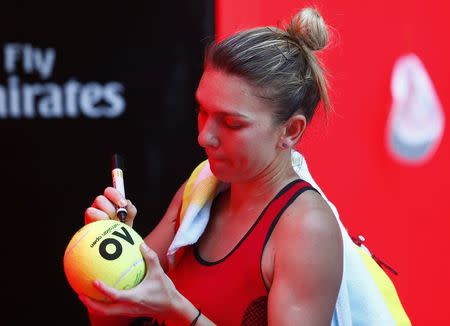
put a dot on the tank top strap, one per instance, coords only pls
(285, 198)
(260, 235)
(276, 207)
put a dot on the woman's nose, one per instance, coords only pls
(207, 134)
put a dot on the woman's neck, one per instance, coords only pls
(263, 187)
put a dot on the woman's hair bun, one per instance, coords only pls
(308, 28)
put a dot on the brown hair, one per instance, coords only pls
(281, 63)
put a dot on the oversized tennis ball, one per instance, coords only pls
(105, 250)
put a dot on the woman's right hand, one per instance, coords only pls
(104, 207)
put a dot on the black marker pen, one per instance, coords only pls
(117, 179)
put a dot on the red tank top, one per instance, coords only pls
(232, 291)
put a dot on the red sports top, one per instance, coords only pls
(231, 291)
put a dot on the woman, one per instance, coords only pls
(272, 248)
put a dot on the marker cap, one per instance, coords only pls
(117, 162)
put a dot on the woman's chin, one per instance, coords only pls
(216, 167)
(220, 169)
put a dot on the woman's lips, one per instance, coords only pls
(215, 157)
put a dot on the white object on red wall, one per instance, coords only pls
(416, 121)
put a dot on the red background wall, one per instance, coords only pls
(401, 210)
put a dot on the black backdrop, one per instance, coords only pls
(122, 79)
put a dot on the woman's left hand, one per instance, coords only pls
(156, 296)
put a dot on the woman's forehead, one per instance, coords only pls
(221, 90)
(222, 83)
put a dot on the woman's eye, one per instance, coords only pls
(233, 124)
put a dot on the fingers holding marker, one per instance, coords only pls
(104, 207)
(112, 204)
(93, 214)
(132, 210)
(115, 197)
(104, 204)
(119, 201)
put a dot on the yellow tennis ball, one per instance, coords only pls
(106, 250)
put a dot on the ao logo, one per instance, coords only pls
(115, 243)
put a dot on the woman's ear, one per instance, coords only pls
(292, 131)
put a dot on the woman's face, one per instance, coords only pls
(235, 127)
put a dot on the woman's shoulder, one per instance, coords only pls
(308, 218)
(307, 254)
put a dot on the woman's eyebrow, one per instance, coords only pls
(220, 111)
